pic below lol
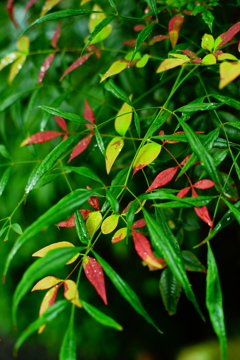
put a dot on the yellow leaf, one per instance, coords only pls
(209, 60)
(71, 292)
(117, 67)
(93, 222)
(46, 283)
(110, 224)
(9, 58)
(147, 154)
(23, 44)
(84, 2)
(119, 235)
(170, 64)
(59, 245)
(227, 56)
(229, 71)
(48, 300)
(15, 68)
(49, 4)
(112, 151)
(124, 118)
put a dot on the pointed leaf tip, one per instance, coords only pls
(94, 274)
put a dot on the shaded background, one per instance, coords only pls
(138, 340)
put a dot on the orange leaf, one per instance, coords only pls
(95, 276)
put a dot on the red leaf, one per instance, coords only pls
(143, 248)
(76, 64)
(94, 274)
(71, 222)
(158, 38)
(204, 184)
(56, 36)
(228, 35)
(80, 147)
(186, 159)
(138, 27)
(29, 4)
(89, 115)
(139, 224)
(174, 27)
(202, 212)
(45, 66)
(61, 123)
(10, 5)
(41, 137)
(131, 42)
(189, 53)
(95, 49)
(183, 192)
(93, 201)
(163, 178)
(196, 61)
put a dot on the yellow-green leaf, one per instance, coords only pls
(110, 224)
(15, 68)
(141, 63)
(209, 60)
(117, 67)
(227, 56)
(23, 44)
(9, 59)
(93, 222)
(84, 2)
(207, 42)
(71, 292)
(49, 4)
(119, 235)
(170, 64)
(112, 151)
(46, 283)
(95, 19)
(229, 71)
(124, 118)
(61, 244)
(180, 56)
(147, 154)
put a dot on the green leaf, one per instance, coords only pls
(170, 290)
(194, 107)
(142, 37)
(170, 250)
(97, 30)
(207, 42)
(60, 211)
(15, 96)
(51, 313)
(81, 228)
(4, 179)
(214, 303)
(124, 289)
(116, 91)
(153, 7)
(116, 67)
(64, 114)
(52, 261)
(17, 228)
(100, 316)
(87, 173)
(31, 104)
(209, 60)
(208, 143)
(208, 18)
(143, 61)
(228, 101)
(5, 153)
(55, 103)
(189, 201)
(99, 140)
(48, 162)
(46, 179)
(233, 209)
(137, 124)
(112, 201)
(191, 262)
(68, 348)
(200, 150)
(61, 15)
(112, 3)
